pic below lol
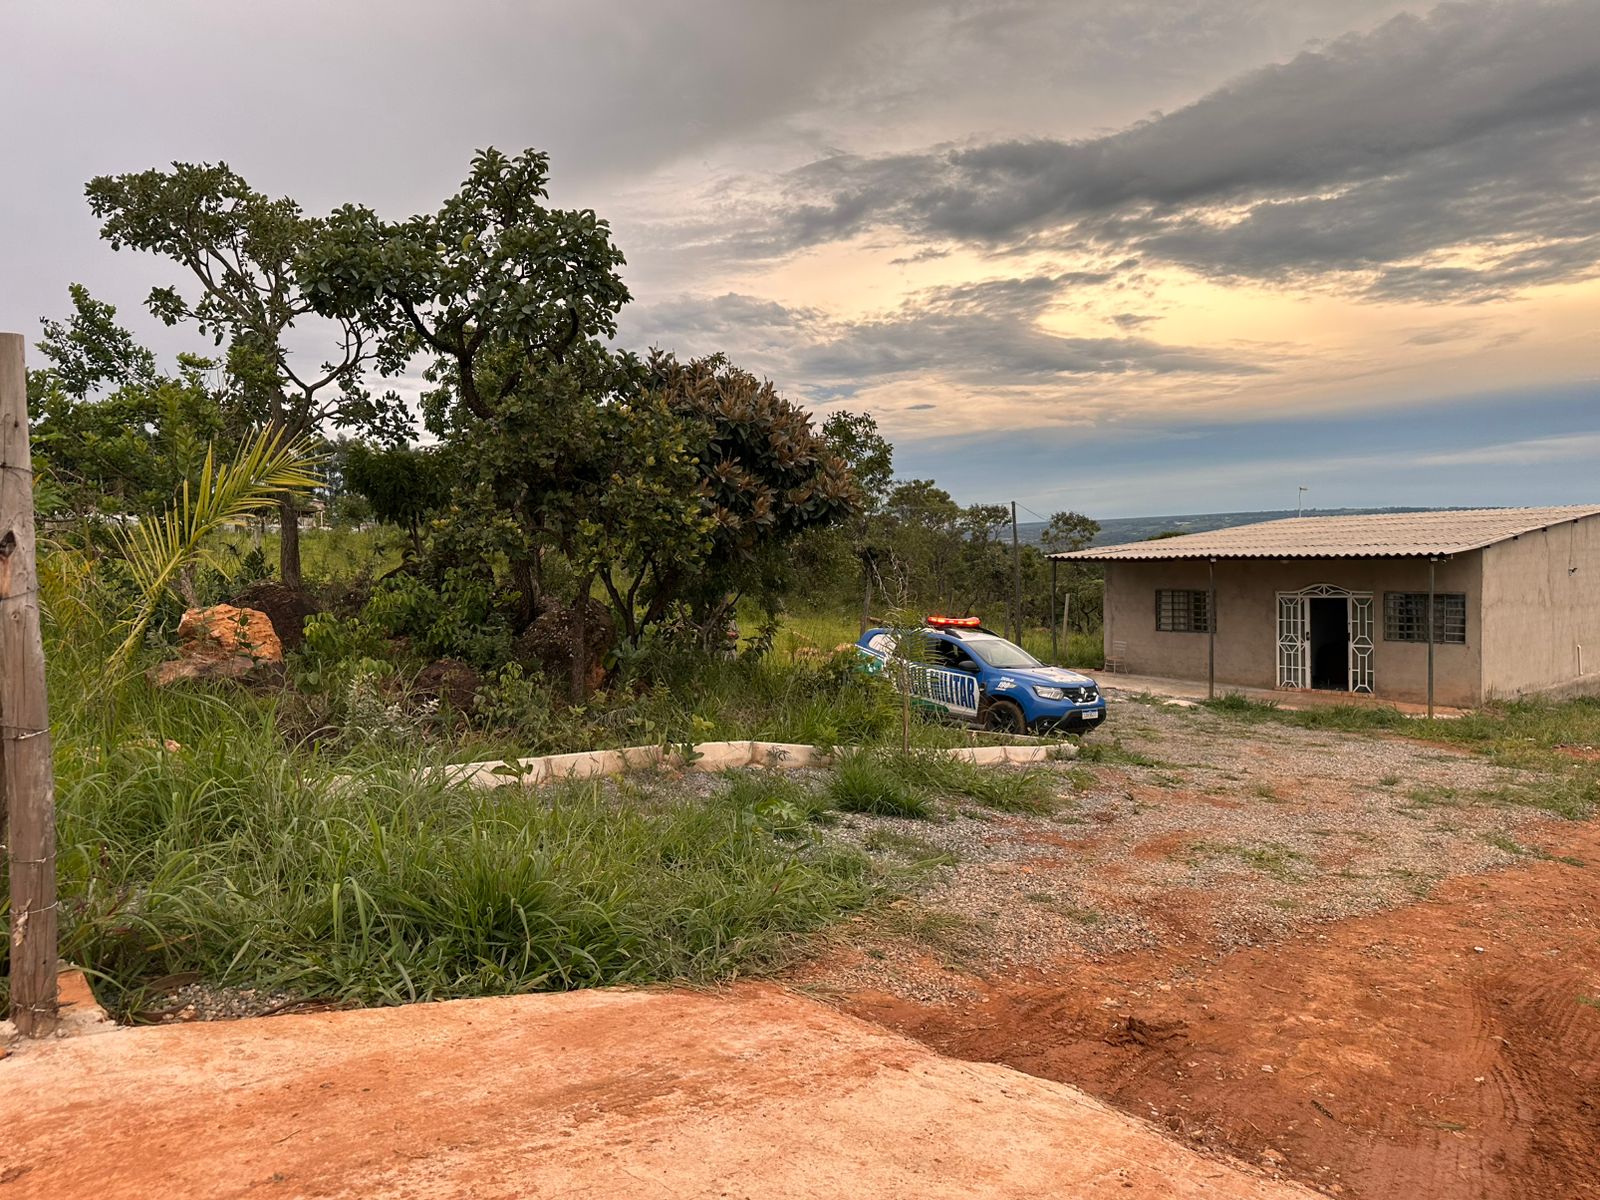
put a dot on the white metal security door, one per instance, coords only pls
(1293, 661)
(1360, 643)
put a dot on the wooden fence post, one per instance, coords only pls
(27, 783)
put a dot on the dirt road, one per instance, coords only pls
(752, 1092)
(1293, 1000)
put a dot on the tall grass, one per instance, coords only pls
(194, 837)
(874, 784)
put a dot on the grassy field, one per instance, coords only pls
(193, 839)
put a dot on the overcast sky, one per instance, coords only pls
(1147, 256)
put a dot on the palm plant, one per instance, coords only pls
(162, 552)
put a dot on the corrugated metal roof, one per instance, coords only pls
(1376, 535)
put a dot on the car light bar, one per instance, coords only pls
(958, 622)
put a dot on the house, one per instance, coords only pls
(1342, 603)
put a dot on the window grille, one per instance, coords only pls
(1183, 611)
(1405, 617)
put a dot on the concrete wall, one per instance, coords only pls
(1541, 601)
(1247, 621)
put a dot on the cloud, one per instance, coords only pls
(985, 336)
(1451, 155)
(1526, 453)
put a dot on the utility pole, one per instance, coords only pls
(1016, 575)
(1055, 650)
(1300, 502)
(27, 783)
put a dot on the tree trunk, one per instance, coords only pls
(525, 578)
(580, 656)
(866, 601)
(289, 542)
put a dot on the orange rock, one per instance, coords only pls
(220, 642)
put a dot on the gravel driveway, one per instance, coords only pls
(1179, 825)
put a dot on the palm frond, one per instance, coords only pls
(158, 550)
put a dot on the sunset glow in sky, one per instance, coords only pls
(1150, 257)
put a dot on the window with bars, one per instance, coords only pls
(1405, 617)
(1182, 610)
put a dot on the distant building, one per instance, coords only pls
(1341, 604)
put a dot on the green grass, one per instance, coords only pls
(814, 632)
(1033, 790)
(231, 859)
(1280, 862)
(782, 804)
(878, 785)
(1500, 842)
(954, 939)
(324, 867)
(1115, 753)
(338, 554)
(918, 851)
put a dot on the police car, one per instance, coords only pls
(965, 671)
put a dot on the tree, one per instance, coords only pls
(765, 477)
(1068, 531)
(854, 437)
(402, 485)
(110, 431)
(514, 302)
(242, 247)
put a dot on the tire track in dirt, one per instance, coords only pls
(1440, 1051)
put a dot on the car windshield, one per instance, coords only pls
(998, 652)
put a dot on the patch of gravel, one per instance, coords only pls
(208, 1002)
(1194, 830)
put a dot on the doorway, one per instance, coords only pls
(1329, 618)
(1325, 639)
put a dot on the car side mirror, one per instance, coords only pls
(966, 664)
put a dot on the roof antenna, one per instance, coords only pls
(1300, 502)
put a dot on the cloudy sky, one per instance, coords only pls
(1124, 256)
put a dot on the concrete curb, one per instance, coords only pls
(707, 756)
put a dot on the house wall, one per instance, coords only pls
(1247, 621)
(1541, 601)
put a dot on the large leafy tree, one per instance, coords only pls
(241, 249)
(512, 301)
(765, 478)
(114, 434)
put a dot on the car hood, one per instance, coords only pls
(1049, 677)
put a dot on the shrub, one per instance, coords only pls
(462, 617)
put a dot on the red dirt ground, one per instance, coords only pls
(1442, 1051)
(745, 1094)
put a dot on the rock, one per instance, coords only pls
(220, 642)
(286, 607)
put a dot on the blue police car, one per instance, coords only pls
(962, 670)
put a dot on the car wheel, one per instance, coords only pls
(1005, 716)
